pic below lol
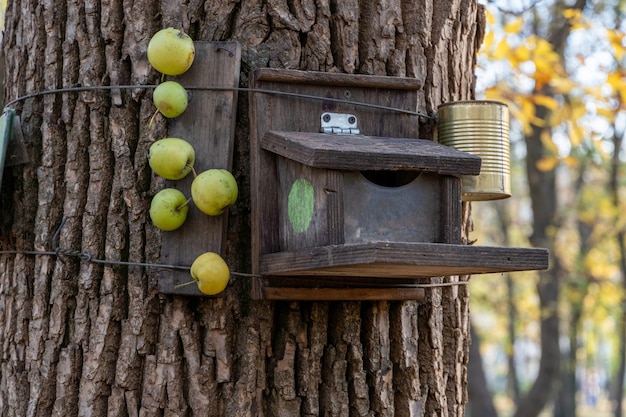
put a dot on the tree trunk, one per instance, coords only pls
(543, 196)
(618, 139)
(565, 402)
(480, 397)
(577, 286)
(512, 381)
(93, 339)
(544, 202)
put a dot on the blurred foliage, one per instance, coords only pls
(584, 89)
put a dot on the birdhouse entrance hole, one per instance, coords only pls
(390, 178)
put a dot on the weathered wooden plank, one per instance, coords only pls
(325, 226)
(337, 79)
(402, 260)
(450, 212)
(209, 125)
(360, 152)
(399, 212)
(337, 294)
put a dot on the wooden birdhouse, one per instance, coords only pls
(347, 202)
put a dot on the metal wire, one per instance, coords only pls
(218, 88)
(87, 257)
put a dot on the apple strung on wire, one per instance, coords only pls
(168, 209)
(171, 158)
(170, 98)
(171, 51)
(213, 191)
(210, 272)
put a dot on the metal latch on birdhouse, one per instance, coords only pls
(339, 124)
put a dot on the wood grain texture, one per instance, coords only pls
(100, 340)
(274, 106)
(338, 294)
(208, 125)
(361, 153)
(402, 260)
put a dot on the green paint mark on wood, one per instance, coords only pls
(300, 205)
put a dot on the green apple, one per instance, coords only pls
(171, 158)
(210, 272)
(168, 209)
(170, 98)
(213, 191)
(171, 51)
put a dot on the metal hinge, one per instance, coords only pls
(339, 124)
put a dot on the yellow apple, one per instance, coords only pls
(171, 51)
(168, 209)
(210, 272)
(214, 190)
(171, 158)
(170, 98)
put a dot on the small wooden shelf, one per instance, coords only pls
(390, 260)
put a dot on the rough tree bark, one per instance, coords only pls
(91, 339)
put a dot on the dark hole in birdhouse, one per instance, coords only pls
(390, 178)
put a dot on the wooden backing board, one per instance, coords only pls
(209, 125)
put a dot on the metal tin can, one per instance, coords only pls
(480, 128)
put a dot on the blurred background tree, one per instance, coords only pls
(560, 66)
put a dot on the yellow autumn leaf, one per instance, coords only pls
(547, 163)
(608, 114)
(616, 81)
(545, 101)
(562, 85)
(599, 148)
(576, 134)
(578, 109)
(528, 108)
(521, 118)
(548, 143)
(491, 19)
(493, 93)
(502, 50)
(596, 263)
(539, 122)
(580, 25)
(557, 116)
(514, 26)
(545, 72)
(576, 19)
(526, 114)
(522, 53)
(616, 39)
(488, 41)
(571, 161)
(544, 49)
(572, 14)
(594, 91)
